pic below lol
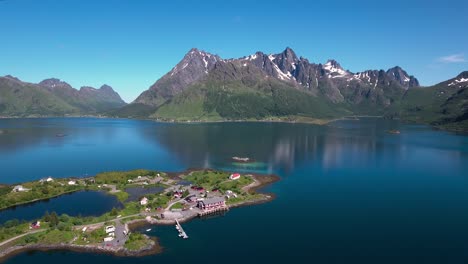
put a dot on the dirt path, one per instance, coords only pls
(20, 236)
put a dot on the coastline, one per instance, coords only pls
(260, 181)
(307, 120)
(151, 249)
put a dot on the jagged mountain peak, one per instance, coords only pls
(402, 77)
(106, 87)
(335, 70)
(197, 59)
(54, 83)
(289, 55)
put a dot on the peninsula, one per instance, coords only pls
(166, 198)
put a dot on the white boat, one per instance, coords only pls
(149, 229)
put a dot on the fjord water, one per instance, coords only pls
(84, 203)
(349, 192)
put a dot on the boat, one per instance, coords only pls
(242, 159)
(394, 131)
(149, 229)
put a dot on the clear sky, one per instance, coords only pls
(129, 44)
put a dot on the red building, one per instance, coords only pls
(212, 204)
(234, 176)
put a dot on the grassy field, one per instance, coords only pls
(136, 241)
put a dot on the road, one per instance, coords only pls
(20, 236)
(118, 230)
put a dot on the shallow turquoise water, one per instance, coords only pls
(349, 192)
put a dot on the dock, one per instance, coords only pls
(179, 228)
(213, 211)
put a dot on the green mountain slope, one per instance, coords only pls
(53, 97)
(444, 104)
(22, 99)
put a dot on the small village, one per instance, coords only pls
(149, 198)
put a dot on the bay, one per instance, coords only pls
(350, 192)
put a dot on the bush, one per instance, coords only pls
(63, 227)
(11, 223)
(30, 239)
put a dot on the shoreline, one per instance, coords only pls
(314, 121)
(153, 248)
(260, 181)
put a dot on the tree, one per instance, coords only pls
(54, 220)
(114, 212)
(11, 223)
(46, 217)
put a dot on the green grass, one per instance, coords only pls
(122, 177)
(236, 185)
(121, 196)
(136, 241)
(207, 179)
(243, 198)
(52, 237)
(177, 206)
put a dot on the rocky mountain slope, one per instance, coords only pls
(203, 86)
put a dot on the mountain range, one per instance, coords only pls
(53, 97)
(283, 86)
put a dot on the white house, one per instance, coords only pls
(110, 229)
(20, 188)
(72, 183)
(144, 201)
(48, 179)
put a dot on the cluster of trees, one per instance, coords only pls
(11, 228)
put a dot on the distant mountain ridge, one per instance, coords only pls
(283, 86)
(54, 97)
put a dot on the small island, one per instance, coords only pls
(177, 198)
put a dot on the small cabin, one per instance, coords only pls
(235, 176)
(36, 224)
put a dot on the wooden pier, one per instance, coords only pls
(179, 228)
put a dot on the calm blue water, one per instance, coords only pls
(349, 192)
(84, 203)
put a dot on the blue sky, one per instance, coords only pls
(129, 44)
